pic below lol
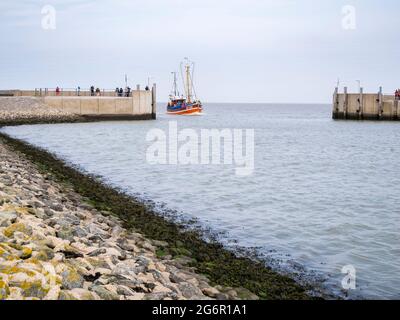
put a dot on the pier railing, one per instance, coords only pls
(70, 92)
(79, 92)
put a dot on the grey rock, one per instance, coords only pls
(65, 233)
(125, 291)
(103, 293)
(115, 260)
(71, 252)
(176, 277)
(161, 296)
(7, 218)
(97, 252)
(125, 245)
(136, 285)
(148, 246)
(79, 232)
(117, 231)
(101, 281)
(39, 213)
(143, 261)
(44, 254)
(71, 279)
(210, 292)
(66, 221)
(128, 268)
(96, 238)
(36, 204)
(232, 293)
(203, 297)
(188, 290)
(93, 229)
(221, 296)
(72, 217)
(56, 207)
(48, 212)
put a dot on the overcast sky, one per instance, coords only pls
(245, 50)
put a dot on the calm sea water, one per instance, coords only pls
(324, 194)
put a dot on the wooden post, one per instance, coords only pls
(335, 109)
(361, 104)
(154, 102)
(380, 103)
(345, 104)
(396, 105)
(336, 99)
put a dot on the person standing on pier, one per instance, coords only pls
(92, 91)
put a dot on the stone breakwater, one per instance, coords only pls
(21, 110)
(55, 245)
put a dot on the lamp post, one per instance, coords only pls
(148, 81)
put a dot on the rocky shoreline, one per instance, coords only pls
(53, 245)
(65, 235)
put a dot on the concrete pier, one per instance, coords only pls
(141, 104)
(365, 106)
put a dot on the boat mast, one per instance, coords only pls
(175, 85)
(188, 82)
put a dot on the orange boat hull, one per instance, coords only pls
(188, 111)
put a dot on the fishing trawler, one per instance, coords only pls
(188, 104)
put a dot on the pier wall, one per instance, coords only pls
(365, 106)
(141, 104)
